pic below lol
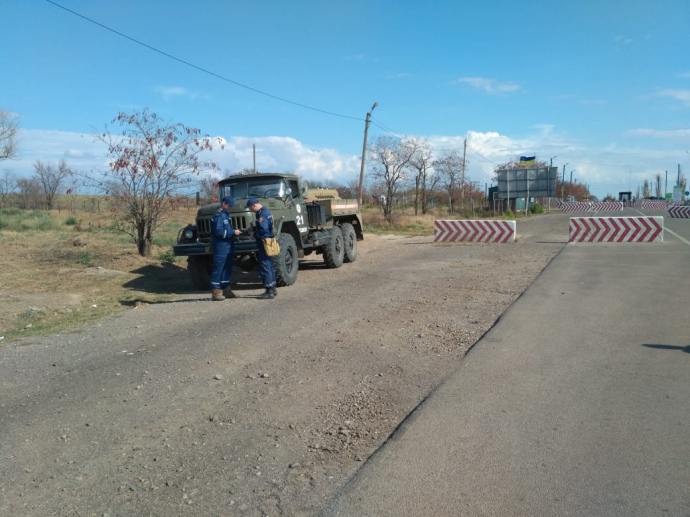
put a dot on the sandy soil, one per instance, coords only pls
(250, 407)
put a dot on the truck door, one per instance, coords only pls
(300, 210)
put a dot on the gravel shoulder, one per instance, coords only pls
(250, 407)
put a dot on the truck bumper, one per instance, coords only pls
(187, 249)
(242, 247)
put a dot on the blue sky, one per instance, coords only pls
(604, 86)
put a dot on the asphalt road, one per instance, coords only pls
(576, 402)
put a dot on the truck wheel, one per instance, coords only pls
(287, 261)
(350, 241)
(199, 272)
(334, 251)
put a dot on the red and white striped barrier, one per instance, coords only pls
(679, 212)
(654, 205)
(574, 206)
(598, 206)
(607, 206)
(616, 229)
(474, 231)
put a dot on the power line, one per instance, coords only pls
(187, 63)
(480, 155)
(388, 130)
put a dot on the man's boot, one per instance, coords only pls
(217, 295)
(274, 291)
(227, 292)
(268, 295)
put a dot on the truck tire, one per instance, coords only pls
(334, 251)
(287, 261)
(199, 273)
(350, 241)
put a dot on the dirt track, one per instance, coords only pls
(250, 407)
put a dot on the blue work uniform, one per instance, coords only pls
(222, 246)
(263, 229)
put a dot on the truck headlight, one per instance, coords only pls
(189, 233)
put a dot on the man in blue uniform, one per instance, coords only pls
(263, 229)
(222, 244)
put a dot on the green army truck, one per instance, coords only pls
(305, 221)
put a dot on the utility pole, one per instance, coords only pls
(548, 175)
(462, 192)
(563, 183)
(367, 121)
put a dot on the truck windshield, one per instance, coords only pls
(254, 187)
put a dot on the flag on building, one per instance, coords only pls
(527, 161)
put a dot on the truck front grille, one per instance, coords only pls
(203, 225)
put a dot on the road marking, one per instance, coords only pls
(677, 236)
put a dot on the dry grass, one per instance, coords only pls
(64, 276)
(405, 222)
(63, 269)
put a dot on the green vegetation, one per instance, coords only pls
(167, 257)
(16, 220)
(85, 258)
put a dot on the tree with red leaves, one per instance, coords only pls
(150, 161)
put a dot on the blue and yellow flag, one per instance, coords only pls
(527, 161)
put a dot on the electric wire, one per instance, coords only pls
(375, 122)
(204, 70)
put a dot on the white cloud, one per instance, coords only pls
(172, 92)
(399, 75)
(77, 149)
(283, 154)
(608, 167)
(489, 85)
(660, 133)
(681, 95)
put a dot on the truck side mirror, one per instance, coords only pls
(303, 189)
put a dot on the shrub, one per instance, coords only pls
(71, 221)
(167, 257)
(536, 209)
(508, 214)
(84, 258)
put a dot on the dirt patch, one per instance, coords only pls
(249, 407)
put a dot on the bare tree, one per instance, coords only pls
(208, 190)
(29, 193)
(425, 180)
(449, 167)
(151, 161)
(51, 178)
(73, 192)
(9, 135)
(351, 190)
(8, 186)
(646, 189)
(392, 159)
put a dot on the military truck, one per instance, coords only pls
(305, 221)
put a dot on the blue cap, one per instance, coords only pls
(228, 201)
(252, 201)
